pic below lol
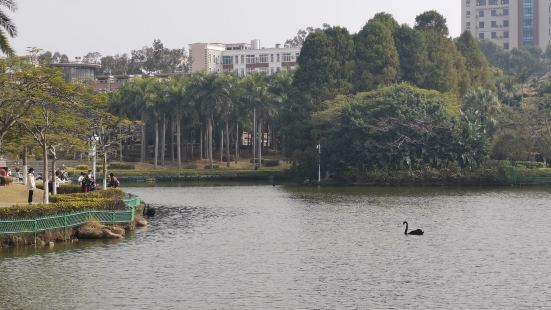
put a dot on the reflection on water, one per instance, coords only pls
(264, 247)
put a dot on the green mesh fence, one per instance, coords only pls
(71, 220)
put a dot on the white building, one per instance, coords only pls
(508, 23)
(242, 58)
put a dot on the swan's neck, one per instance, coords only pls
(406, 231)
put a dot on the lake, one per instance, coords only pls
(286, 247)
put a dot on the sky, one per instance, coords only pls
(76, 27)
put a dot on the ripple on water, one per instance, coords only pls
(264, 247)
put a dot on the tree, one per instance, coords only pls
(92, 58)
(20, 87)
(432, 21)
(377, 61)
(302, 34)
(57, 117)
(7, 26)
(476, 64)
(412, 50)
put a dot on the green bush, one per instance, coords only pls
(121, 166)
(5, 180)
(64, 189)
(270, 162)
(213, 167)
(81, 167)
(191, 166)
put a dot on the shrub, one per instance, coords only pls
(270, 162)
(64, 189)
(5, 180)
(61, 204)
(81, 167)
(213, 167)
(121, 166)
(191, 166)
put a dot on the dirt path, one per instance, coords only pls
(15, 194)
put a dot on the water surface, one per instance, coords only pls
(264, 247)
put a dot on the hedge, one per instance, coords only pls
(121, 166)
(61, 204)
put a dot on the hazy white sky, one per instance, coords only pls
(76, 27)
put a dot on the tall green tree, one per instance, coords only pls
(476, 64)
(377, 61)
(432, 21)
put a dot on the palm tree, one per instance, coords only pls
(209, 92)
(7, 26)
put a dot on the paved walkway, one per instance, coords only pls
(16, 194)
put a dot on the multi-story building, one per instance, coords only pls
(242, 58)
(509, 23)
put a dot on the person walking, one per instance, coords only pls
(31, 184)
(113, 181)
(81, 182)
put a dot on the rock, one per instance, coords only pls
(51, 244)
(117, 230)
(141, 222)
(107, 234)
(90, 233)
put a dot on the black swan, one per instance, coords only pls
(417, 232)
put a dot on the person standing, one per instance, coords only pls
(31, 184)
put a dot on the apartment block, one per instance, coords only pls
(242, 58)
(508, 23)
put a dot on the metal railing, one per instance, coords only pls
(64, 221)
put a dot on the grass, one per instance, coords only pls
(17, 194)
(200, 167)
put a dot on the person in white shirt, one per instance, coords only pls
(31, 184)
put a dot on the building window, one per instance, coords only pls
(494, 24)
(480, 2)
(481, 25)
(227, 60)
(494, 35)
(263, 58)
(242, 59)
(271, 57)
(468, 13)
(505, 23)
(494, 12)
(236, 60)
(506, 34)
(505, 12)
(286, 57)
(505, 2)
(481, 36)
(480, 13)
(493, 2)
(506, 46)
(277, 57)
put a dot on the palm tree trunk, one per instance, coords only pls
(201, 143)
(228, 159)
(144, 137)
(178, 139)
(210, 142)
(155, 162)
(163, 140)
(221, 145)
(260, 142)
(172, 132)
(254, 138)
(236, 142)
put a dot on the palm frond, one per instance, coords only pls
(7, 23)
(9, 4)
(5, 46)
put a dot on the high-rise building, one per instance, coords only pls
(242, 58)
(508, 23)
